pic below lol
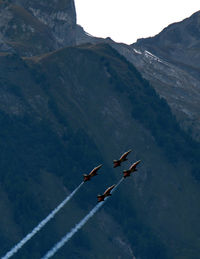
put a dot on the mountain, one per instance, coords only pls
(35, 27)
(170, 61)
(67, 110)
(178, 43)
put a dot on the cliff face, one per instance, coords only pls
(35, 27)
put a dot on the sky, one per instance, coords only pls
(128, 20)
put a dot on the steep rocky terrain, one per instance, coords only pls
(176, 85)
(64, 112)
(170, 61)
(35, 27)
(178, 43)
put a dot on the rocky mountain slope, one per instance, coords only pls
(35, 27)
(170, 61)
(64, 112)
(178, 43)
(176, 85)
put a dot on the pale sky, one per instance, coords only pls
(127, 20)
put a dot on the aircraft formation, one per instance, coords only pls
(100, 199)
(116, 163)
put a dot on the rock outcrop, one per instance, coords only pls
(35, 27)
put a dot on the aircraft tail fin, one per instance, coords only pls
(86, 177)
(100, 198)
(126, 173)
(116, 163)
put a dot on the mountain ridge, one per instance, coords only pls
(172, 69)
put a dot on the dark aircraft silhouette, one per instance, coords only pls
(106, 193)
(131, 169)
(122, 159)
(87, 177)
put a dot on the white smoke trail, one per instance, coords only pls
(72, 232)
(68, 236)
(40, 225)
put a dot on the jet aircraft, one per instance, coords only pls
(87, 177)
(131, 169)
(122, 159)
(106, 193)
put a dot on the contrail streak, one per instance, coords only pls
(70, 234)
(40, 225)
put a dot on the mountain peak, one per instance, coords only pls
(178, 42)
(34, 27)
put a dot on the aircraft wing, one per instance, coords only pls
(133, 166)
(107, 192)
(125, 155)
(94, 171)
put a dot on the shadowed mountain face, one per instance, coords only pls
(64, 112)
(77, 108)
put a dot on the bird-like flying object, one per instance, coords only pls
(131, 169)
(87, 177)
(106, 193)
(122, 159)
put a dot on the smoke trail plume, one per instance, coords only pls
(40, 225)
(70, 234)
